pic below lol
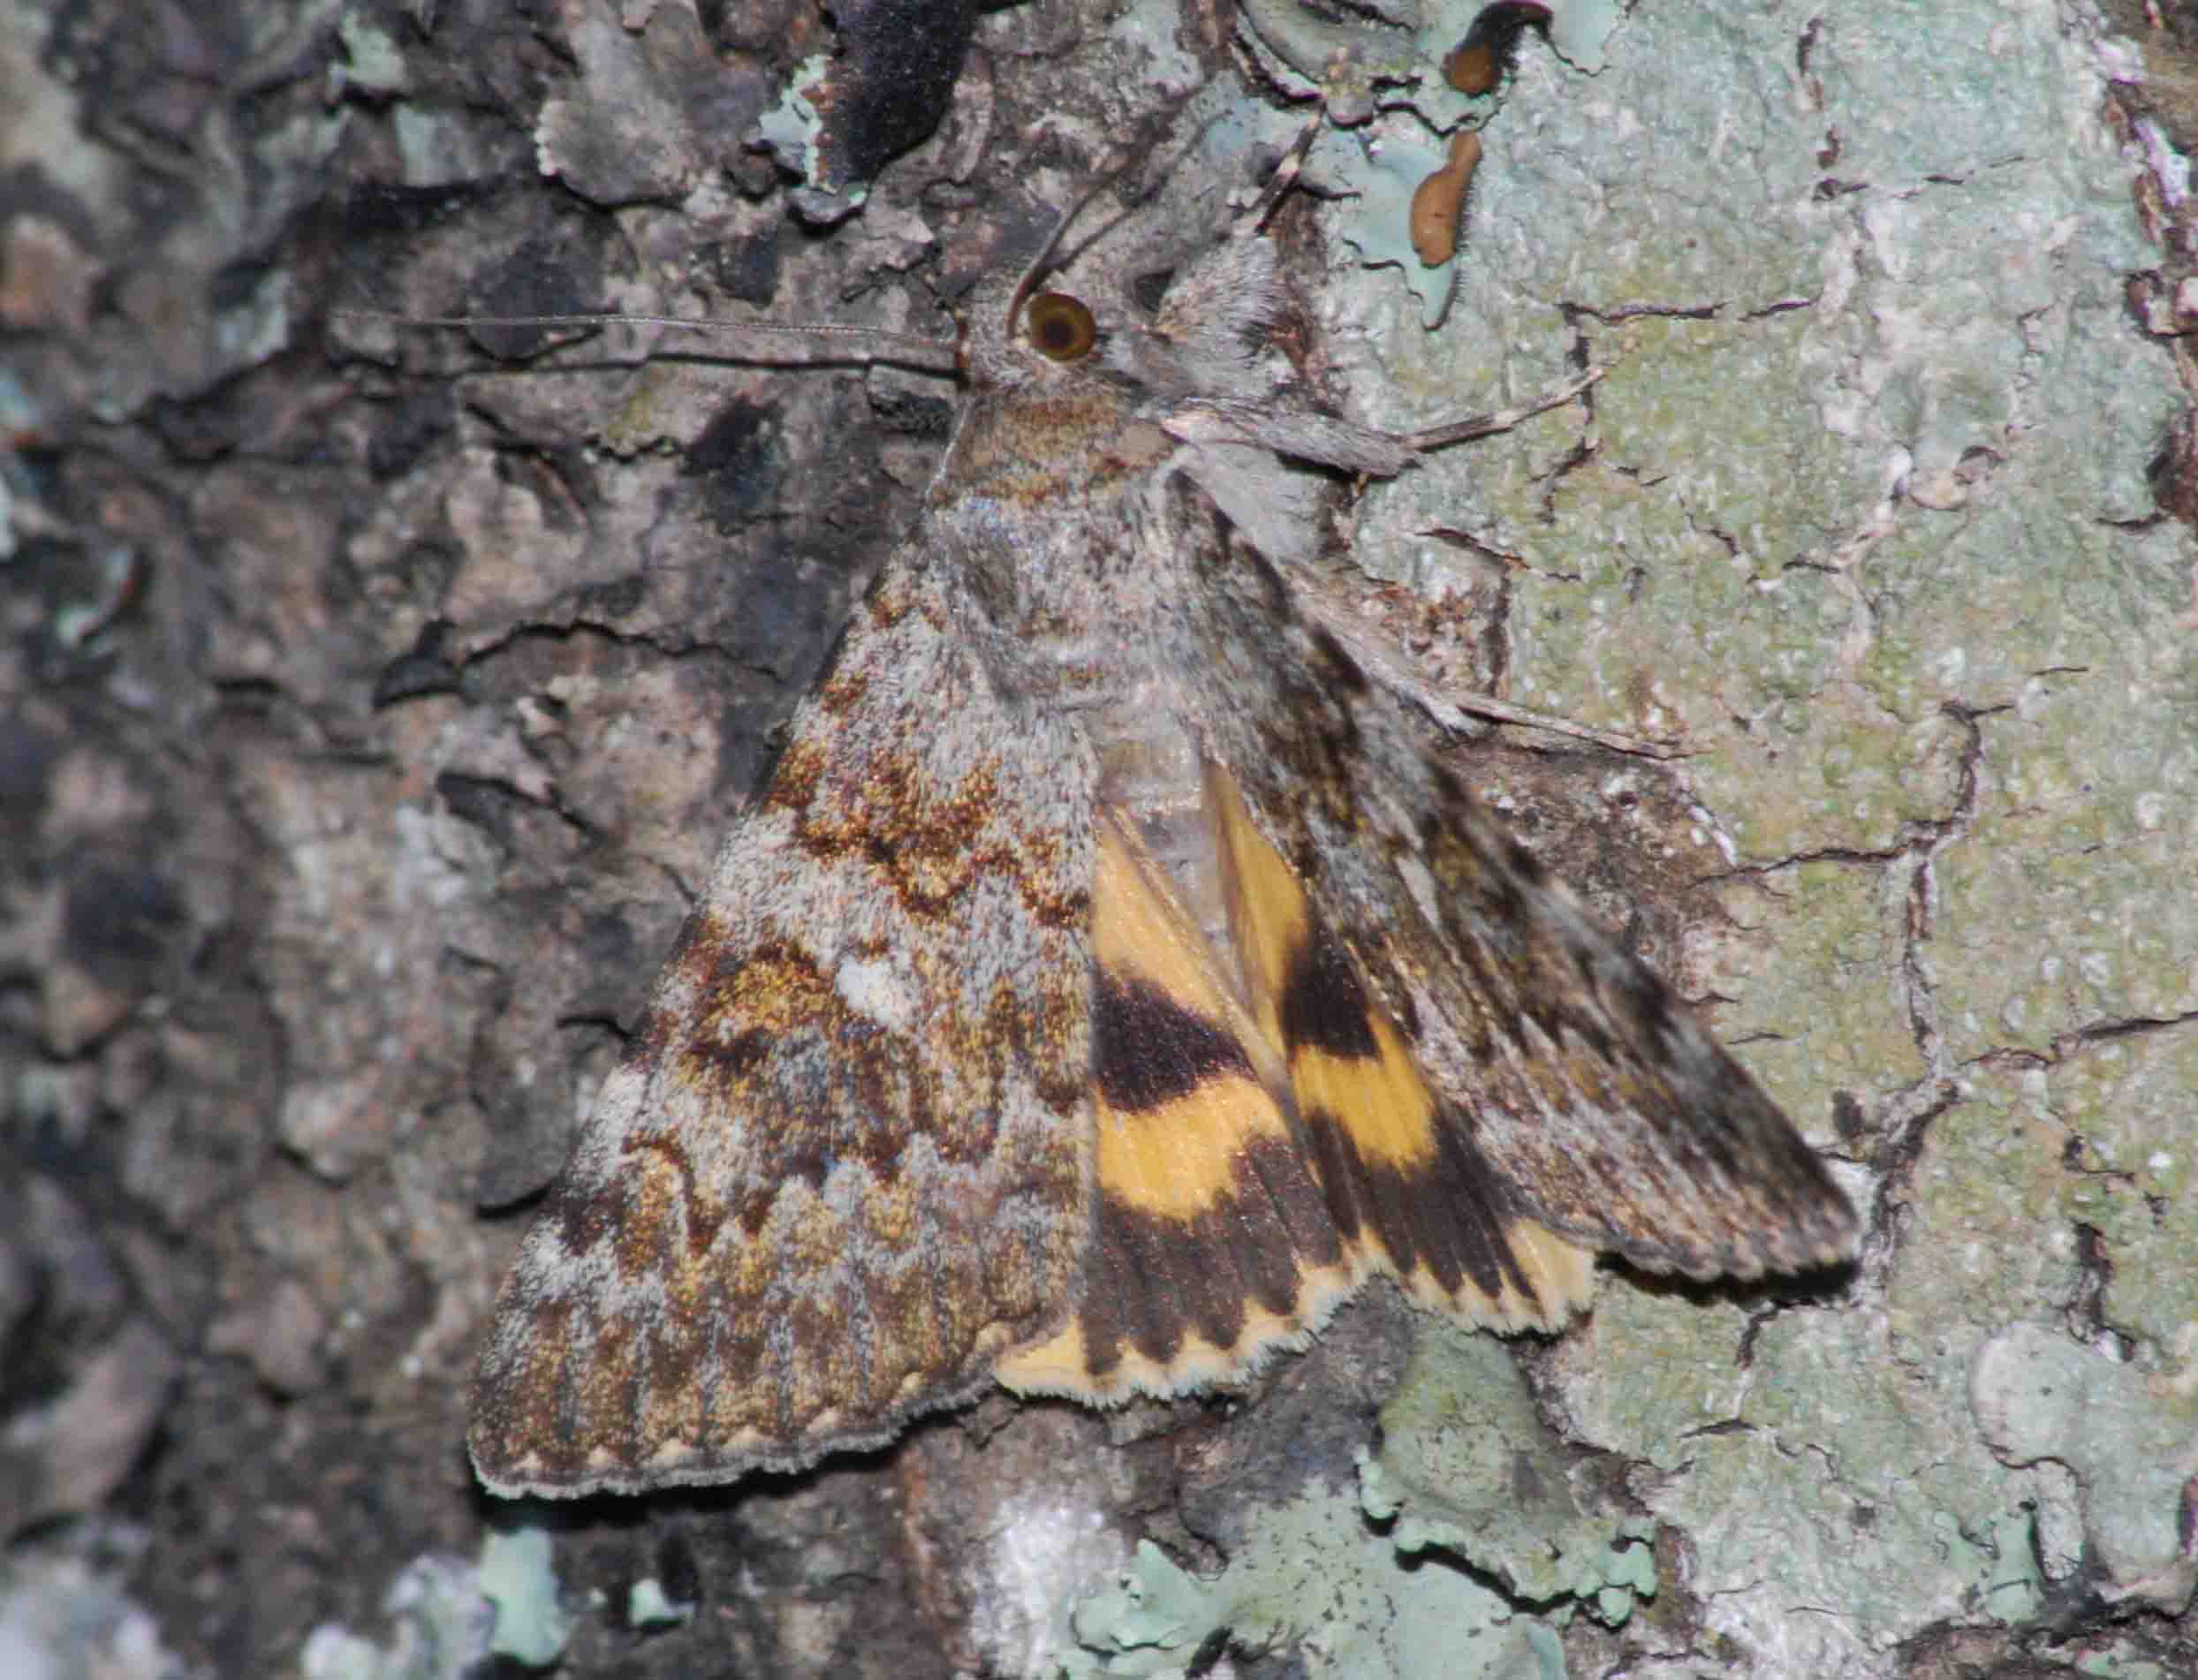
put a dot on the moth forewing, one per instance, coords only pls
(1110, 980)
(846, 1163)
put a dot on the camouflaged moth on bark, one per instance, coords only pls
(1109, 980)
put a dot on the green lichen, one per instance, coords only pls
(438, 1629)
(531, 1626)
(1317, 1578)
(2130, 1438)
(1466, 1474)
(1466, 1467)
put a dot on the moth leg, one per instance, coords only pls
(1253, 221)
(1436, 437)
(1332, 604)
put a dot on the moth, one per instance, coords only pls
(1109, 980)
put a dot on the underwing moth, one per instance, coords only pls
(1111, 978)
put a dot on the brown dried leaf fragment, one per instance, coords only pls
(1438, 205)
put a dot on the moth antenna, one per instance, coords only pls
(850, 346)
(1033, 277)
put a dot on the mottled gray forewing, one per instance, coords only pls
(1607, 1108)
(847, 1162)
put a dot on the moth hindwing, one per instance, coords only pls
(1109, 980)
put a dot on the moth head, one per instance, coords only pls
(1205, 337)
(1057, 325)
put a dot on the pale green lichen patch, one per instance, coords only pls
(1833, 774)
(2117, 1664)
(1320, 1580)
(1466, 1475)
(793, 126)
(2138, 1179)
(1393, 112)
(1713, 420)
(1682, 1374)
(2051, 919)
(2130, 1438)
(1982, 1213)
(1815, 1015)
(2040, 1153)
(649, 1606)
(531, 1626)
(1384, 167)
(1861, 516)
(1826, 1518)
(1466, 1466)
(437, 1628)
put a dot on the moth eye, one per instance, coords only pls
(1061, 329)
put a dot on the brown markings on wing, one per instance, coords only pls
(847, 1163)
